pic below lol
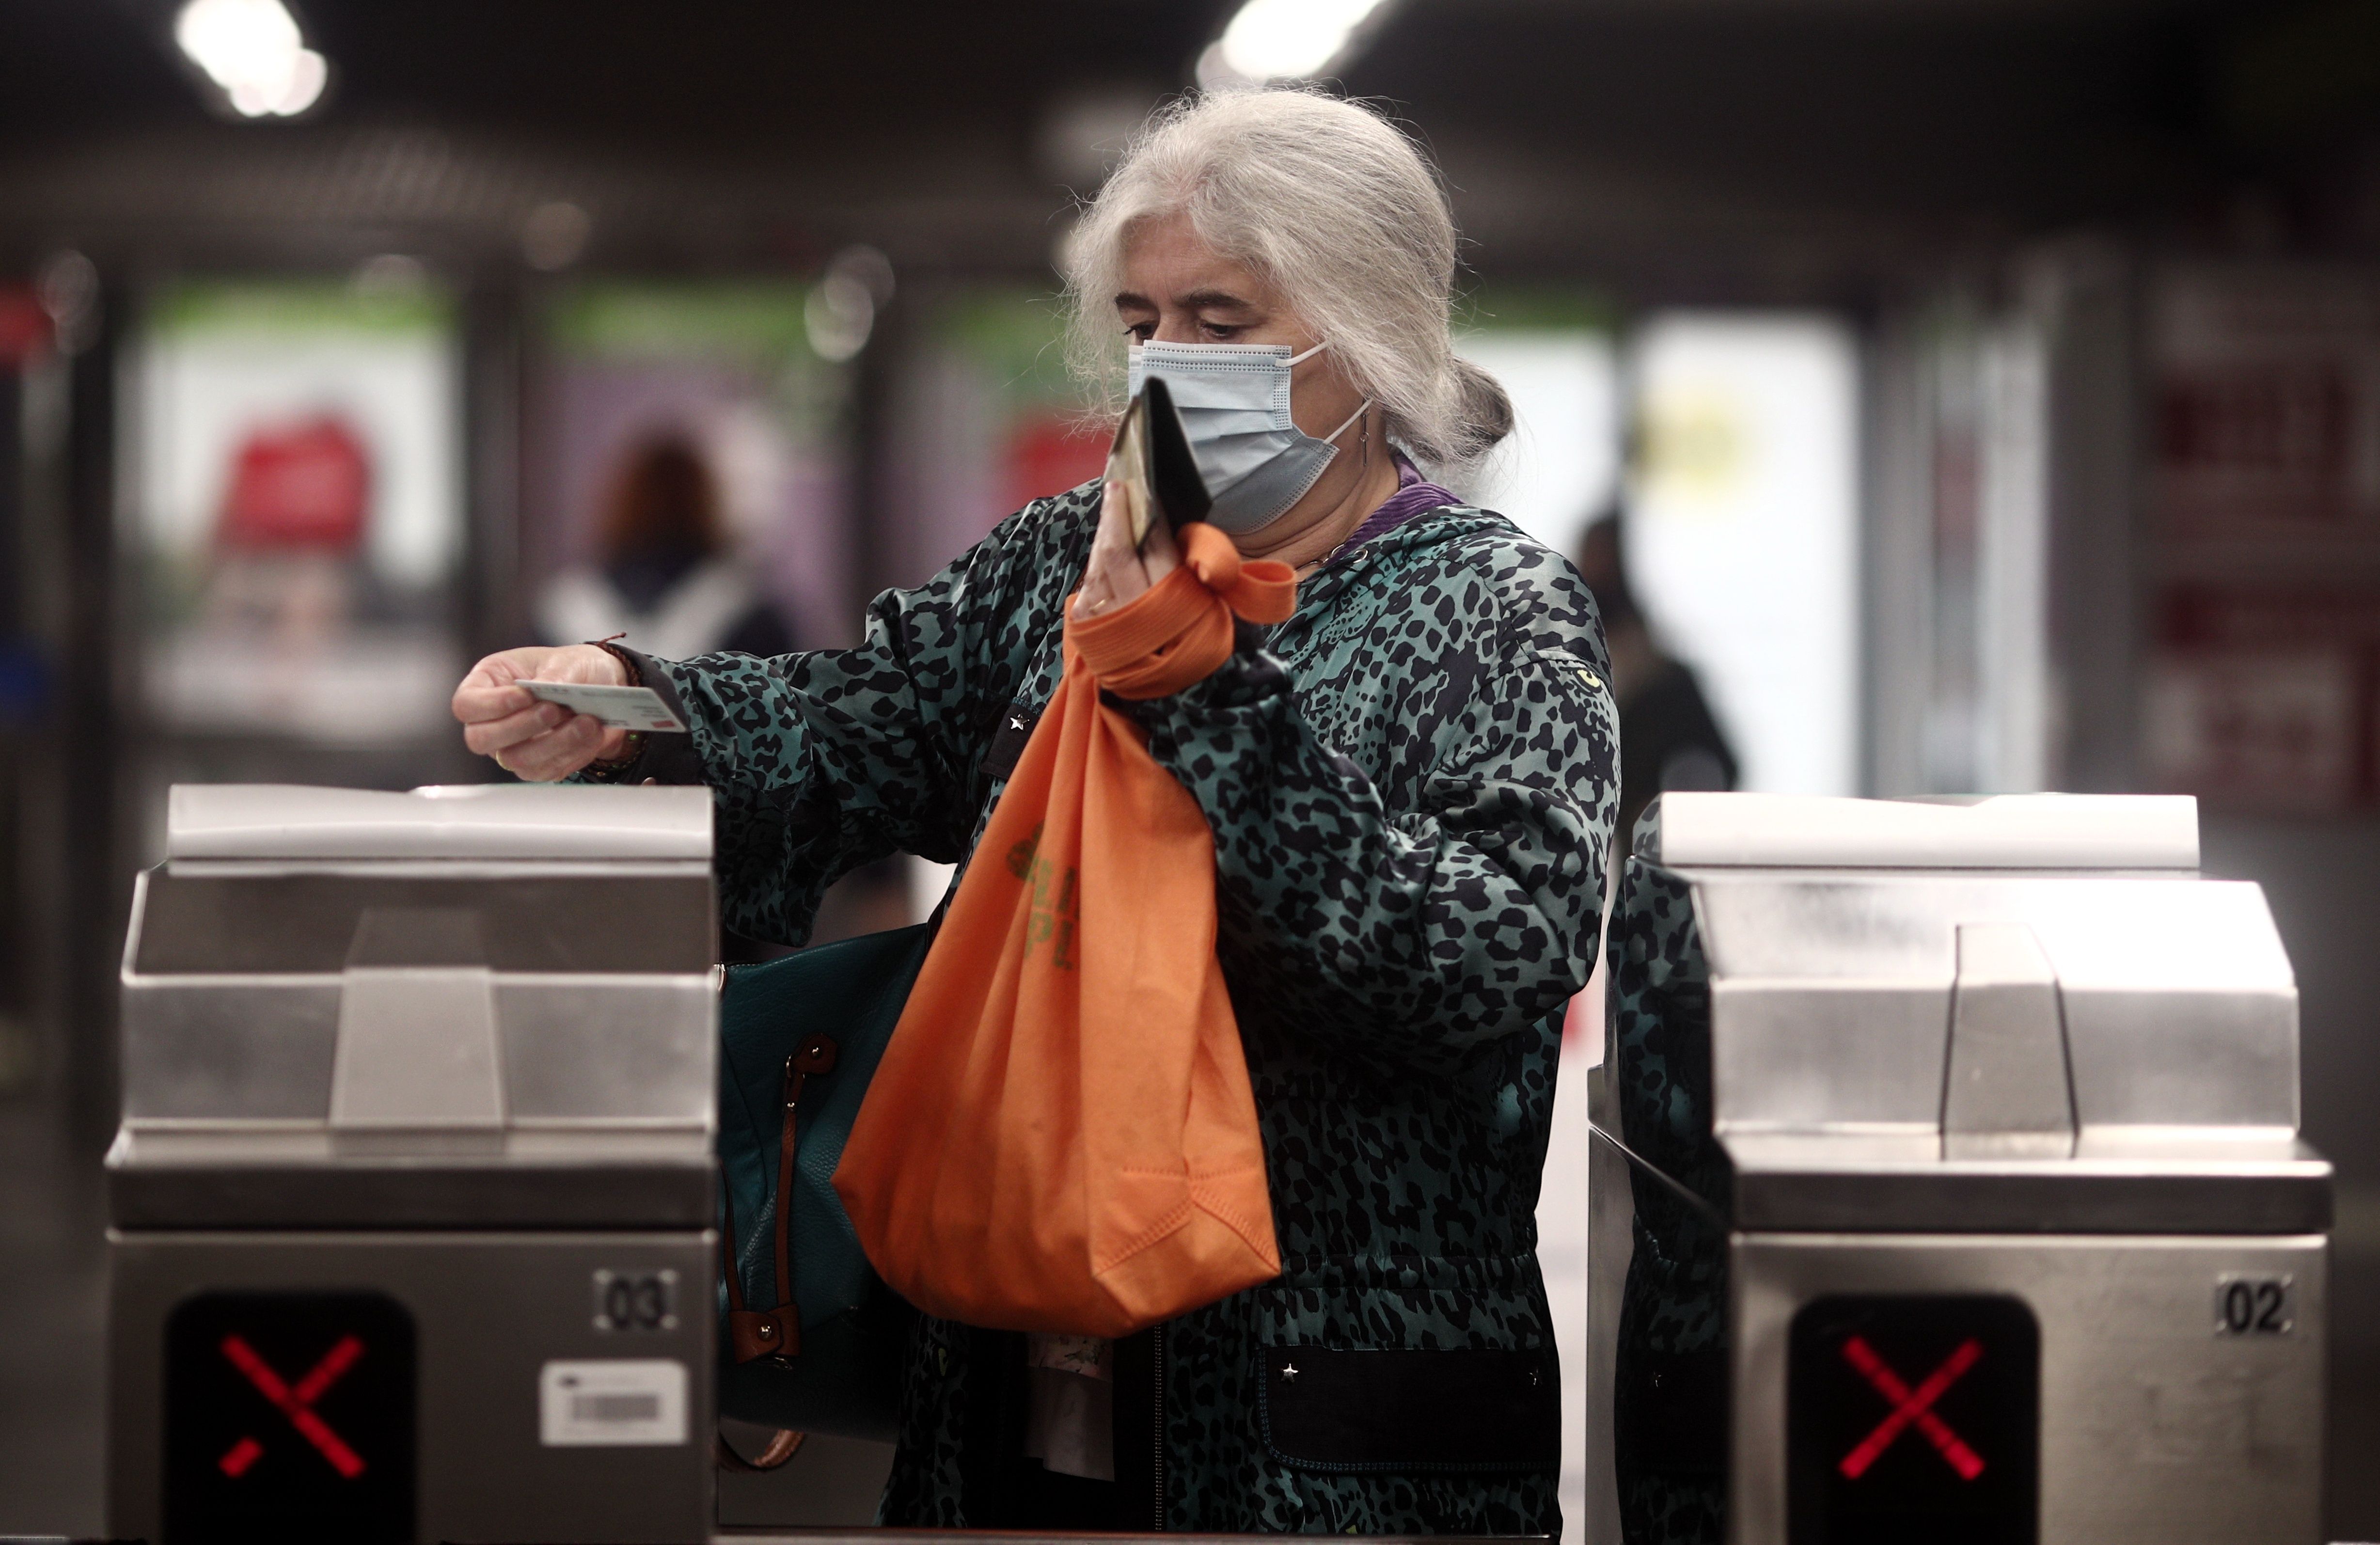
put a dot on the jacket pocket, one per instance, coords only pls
(1348, 1410)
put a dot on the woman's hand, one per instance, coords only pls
(1117, 573)
(539, 741)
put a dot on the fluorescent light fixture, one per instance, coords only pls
(1290, 39)
(253, 51)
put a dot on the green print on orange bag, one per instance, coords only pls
(1054, 912)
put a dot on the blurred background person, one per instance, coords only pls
(666, 574)
(1669, 739)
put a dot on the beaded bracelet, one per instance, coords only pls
(634, 746)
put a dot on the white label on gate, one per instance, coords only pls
(613, 1403)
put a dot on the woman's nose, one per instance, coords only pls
(1175, 330)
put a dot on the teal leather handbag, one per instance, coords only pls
(799, 1039)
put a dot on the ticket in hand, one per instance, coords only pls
(620, 708)
(1151, 466)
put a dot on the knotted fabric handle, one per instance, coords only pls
(1178, 630)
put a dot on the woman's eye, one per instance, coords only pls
(1221, 331)
(1140, 332)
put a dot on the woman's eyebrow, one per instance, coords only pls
(1197, 301)
(1212, 300)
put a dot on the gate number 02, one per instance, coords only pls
(2246, 1306)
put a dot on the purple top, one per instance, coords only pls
(1414, 494)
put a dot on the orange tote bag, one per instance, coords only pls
(1062, 1136)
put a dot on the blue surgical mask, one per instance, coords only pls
(1233, 399)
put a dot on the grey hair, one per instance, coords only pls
(1336, 208)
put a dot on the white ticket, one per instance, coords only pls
(626, 708)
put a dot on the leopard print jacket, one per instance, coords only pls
(1412, 786)
(1670, 1395)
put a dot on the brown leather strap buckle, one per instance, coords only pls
(764, 1333)
(776, 1333)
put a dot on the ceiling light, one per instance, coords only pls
(252, 50)
(1290, 39)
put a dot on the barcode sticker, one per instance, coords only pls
(615, 1407)
(613, 1403)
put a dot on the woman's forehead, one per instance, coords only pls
(1166, 262)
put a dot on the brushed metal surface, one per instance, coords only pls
(453, 821)
(418, 1010)
(625, 1180)
(2152, 1426)
(417, 1050)
(2006, 1094)
(1830, 994)
(1899, 1183)
(623, 1049)
(228, 1048)
(273, 920)
(490, 1309)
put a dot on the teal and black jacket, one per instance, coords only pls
(1411, 784)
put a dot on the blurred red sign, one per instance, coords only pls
(24, 327)
(298, 485)
(2262, 433)
(2265, 697)
(1049, 453)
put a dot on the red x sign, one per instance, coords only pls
(1912, 1408)
(297, 1404)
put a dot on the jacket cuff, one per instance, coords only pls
(663, 758)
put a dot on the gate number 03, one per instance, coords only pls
(2256, 1306)
(635, 1300)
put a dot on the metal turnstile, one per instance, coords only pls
(412, 1203)
(1997, 1147)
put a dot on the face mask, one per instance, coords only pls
(1234, 404)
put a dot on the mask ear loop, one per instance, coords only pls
(1360, 411)
(1365, 408)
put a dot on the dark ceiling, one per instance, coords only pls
(710, 77)
(1614, 136)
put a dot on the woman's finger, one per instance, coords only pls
(557, 753)
(1096, 590)
(478, 702)
(1113, 575)
(489, 691)
(490, 736)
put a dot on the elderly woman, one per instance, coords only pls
(1411, 788)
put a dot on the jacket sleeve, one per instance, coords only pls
(821, 761)
(1411, 936)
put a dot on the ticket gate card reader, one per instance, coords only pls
(2020, 1245)
(412, 1204)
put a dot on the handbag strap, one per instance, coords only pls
(783, 1446)
(777, 1333)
